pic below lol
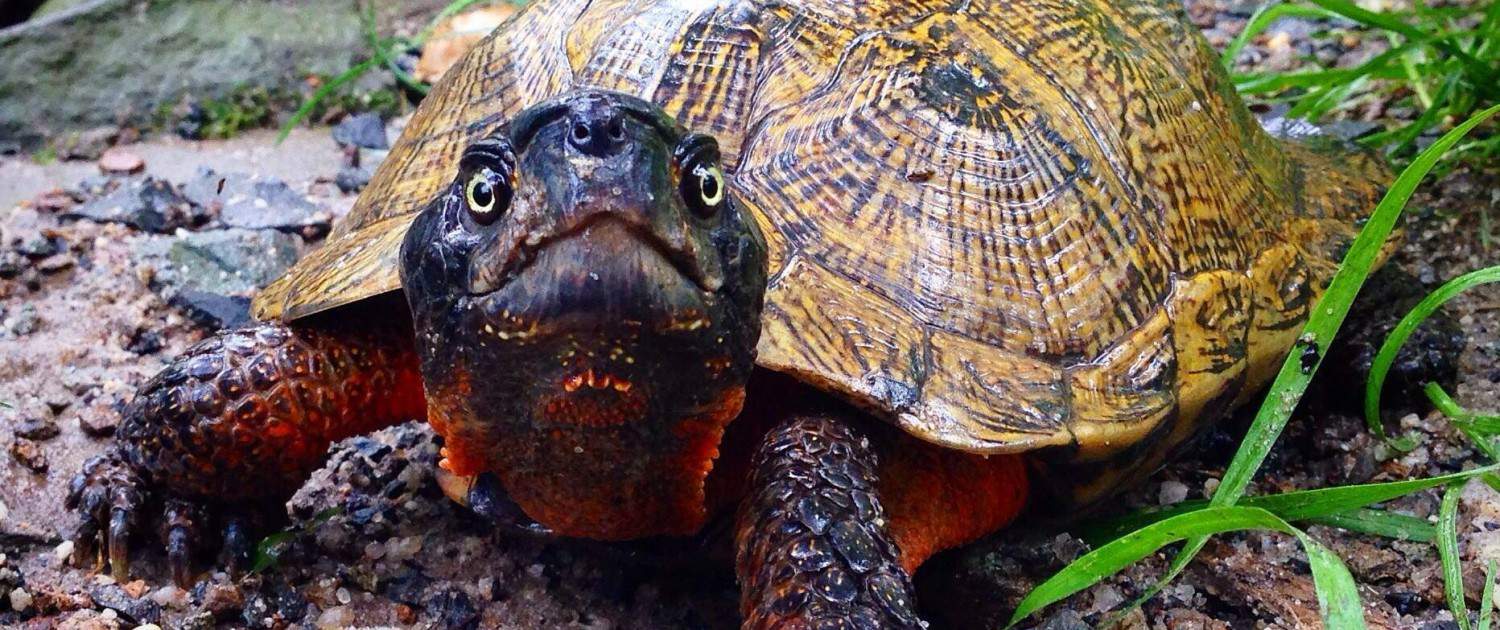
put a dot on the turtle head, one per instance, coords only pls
(587, 296)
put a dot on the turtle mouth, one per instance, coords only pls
(604, 277)
(599, 233)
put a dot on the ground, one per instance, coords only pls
(90, 309)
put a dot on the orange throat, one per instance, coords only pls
(590, 470)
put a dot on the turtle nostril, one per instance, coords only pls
(596, 131)
(617, 129)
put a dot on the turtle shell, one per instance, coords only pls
(1000, 225)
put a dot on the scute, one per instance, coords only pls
(1001, 225)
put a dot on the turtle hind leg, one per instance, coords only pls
(812, 549)
(239, 419)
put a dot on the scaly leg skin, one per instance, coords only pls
(823, 542)
(240, 419)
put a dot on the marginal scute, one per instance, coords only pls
(981, 398)
(1122, 396)
(1210, 315)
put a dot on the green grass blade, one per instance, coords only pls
(1447, 546)
(1338, 599)
(1487, 598)
(1403, 330)
(1291, 506)
(323, 92)
(1381, 523)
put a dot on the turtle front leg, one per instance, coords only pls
(238, 420)
(813, 549)
(840, 513)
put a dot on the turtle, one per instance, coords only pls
(871, 279)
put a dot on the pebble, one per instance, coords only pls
(171, 597)
(20, 600)
(362, 130)
(150, 205)
(117, 161)
(224, 599)
(241, 200)
(23, 322)
(99, 423)
(27, 453)
(1171, 492)
(62, 551)
(336, 617)
(37, 429)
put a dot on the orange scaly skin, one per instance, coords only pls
(940, 499)
(243, 416)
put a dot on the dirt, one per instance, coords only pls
(83, 322)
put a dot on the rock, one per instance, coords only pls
(213, 311)
(1065, 619)
(117, 161)
(29, 454)
(11, 264)
(232, 262)
(133, 609)
(453, 609)
(150, 205)
(99, 423)
(37, 429)
(20, 600)
(145, 341)
(110, 62)
(38, 247)
(54, 200)
(455, 36)
(1172, 492)
(244, 201)
(89, 144)
(362, 130)
(352, 179)
(55, 264)
(223, 600)
(23, 321)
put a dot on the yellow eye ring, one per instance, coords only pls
(711, 185)
(479, 193)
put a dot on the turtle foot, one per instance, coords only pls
(115, 507)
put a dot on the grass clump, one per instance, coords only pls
(1443, 62)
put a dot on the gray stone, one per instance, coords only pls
(366, 131)
(213, 311)
(352, 179)
(151, 205)
(243, 201)
(228, 262)
(110, 62)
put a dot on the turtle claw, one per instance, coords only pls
(119, 544)
(108, 497)
(236, 553)
(181, 526)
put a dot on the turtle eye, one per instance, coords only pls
(487, 196)
(703, 188)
